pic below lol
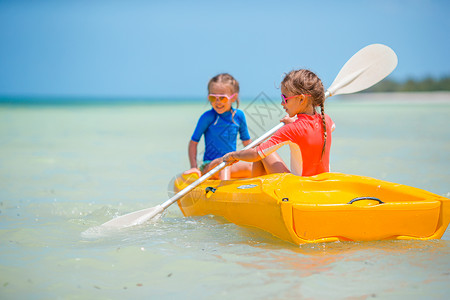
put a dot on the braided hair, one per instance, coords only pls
(306, 82)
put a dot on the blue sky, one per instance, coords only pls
(171, 48)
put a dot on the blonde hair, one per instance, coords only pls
(306, 82)
(226, 79)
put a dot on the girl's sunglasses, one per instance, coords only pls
(222, 98)
(284, 99)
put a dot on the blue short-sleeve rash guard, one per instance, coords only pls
(220, 132)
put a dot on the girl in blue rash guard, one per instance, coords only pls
(220, 126)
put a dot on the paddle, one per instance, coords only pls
(367, 67)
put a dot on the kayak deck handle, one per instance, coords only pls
(210, 189)
(365, 198)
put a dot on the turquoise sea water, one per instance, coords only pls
(65, 168)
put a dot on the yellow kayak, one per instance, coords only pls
(322, 208)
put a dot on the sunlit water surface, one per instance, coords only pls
(64, 169)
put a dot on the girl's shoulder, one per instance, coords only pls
(328, 119)
(293, 128)
(209, 114)
(239, 114)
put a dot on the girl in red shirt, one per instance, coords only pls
(307, 132)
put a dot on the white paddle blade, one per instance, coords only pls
(134, 218)
(365, 68)
(131, 219)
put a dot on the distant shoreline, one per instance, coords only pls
(417, 97)
(425, 97)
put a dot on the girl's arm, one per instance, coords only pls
(250, 155)
(192, 152)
